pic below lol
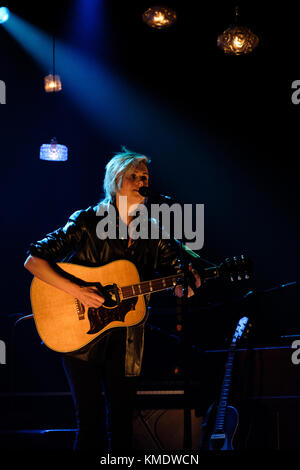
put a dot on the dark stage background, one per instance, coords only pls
(220, 130)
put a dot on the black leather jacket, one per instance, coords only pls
(77, 242)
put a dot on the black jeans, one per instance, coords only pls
(103, 422)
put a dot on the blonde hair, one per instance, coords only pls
(116, 169)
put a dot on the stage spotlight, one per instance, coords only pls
(4, 14)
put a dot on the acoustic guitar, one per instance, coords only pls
(65, 324)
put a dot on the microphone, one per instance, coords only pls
(147, 192)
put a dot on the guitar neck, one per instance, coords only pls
(164, 283)
(222, 405)
(223, 400)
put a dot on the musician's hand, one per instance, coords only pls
(178, 289)
(89, 296)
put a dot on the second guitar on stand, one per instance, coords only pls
(221, 420)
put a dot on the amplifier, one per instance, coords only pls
(163, 429)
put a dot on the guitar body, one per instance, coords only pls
(65, 325)
(223, 440)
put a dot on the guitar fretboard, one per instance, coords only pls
(147, 287)
(155, 285)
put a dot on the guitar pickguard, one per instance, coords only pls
(100, 317)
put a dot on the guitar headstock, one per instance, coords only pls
(242, 330)
(236, 268)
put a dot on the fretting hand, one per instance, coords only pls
(179, 290)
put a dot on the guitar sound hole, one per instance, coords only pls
(110, 297)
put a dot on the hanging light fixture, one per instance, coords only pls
(159, 17)
(54, 151)
(237, 40)
(52, 82)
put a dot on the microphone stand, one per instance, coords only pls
(183, 313)
(183, 316)
(182, 309)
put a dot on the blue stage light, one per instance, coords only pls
(4, 14)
